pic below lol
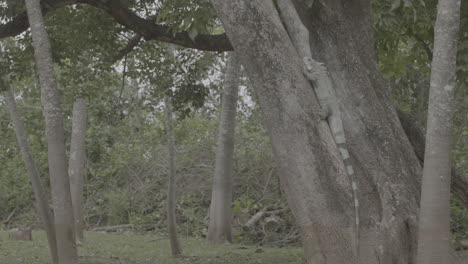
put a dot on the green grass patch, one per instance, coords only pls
(123, 248)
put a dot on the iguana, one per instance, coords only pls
(317, 74)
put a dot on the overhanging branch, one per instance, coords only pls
(125, 17)
(20, 23)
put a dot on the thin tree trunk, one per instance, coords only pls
(415, 134)
(77, 163)
(219, 229)
(171, 190)
(58, 167)
(42, 204)
(434, 216)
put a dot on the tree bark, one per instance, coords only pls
(58, 167)
(316, 186)
(434, 216)
(77, 163)
(42, 204)
(219, 229)
(171, 190)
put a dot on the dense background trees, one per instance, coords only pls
(124, 76)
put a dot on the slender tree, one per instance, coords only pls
(42, 204)
(219, 229)
(52, 110)
(77, 163)
(434, 216)
(171, 190)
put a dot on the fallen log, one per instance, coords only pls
(255, 218)
(20, 234)
(260, 214)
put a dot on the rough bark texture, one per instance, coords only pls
(298, 33)
(77, 163)
(317, 74)
(219, 229)
(317, 188)
(58, 167)
(434, 216)
(42, 204)
(171, 190)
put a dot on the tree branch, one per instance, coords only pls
(421, 41)
(20, 23)
(125, 17)
(132, 43)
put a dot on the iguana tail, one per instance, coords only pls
(343, 147)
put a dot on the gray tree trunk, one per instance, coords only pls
(434, 216)
(415, 134)
(58, 167)
(77, 163)
(42, 204)
(171, 190)
(219, 228)
(316, 186)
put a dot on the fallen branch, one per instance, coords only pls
(260, 214)
(157, 239)
(254, 219)
(8, 219)
(111, 228)
(279, 211)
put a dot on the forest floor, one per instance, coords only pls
(124, 248)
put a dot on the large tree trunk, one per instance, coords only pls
(219, 229)
(171, 189)
(316, 185)
(58, 167)
(434, 216)
(77, 163)
(42, 204)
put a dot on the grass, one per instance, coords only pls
(123, 248)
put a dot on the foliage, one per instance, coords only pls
(127, 162)
(194, 16)
(459, 220)
(404, 43)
